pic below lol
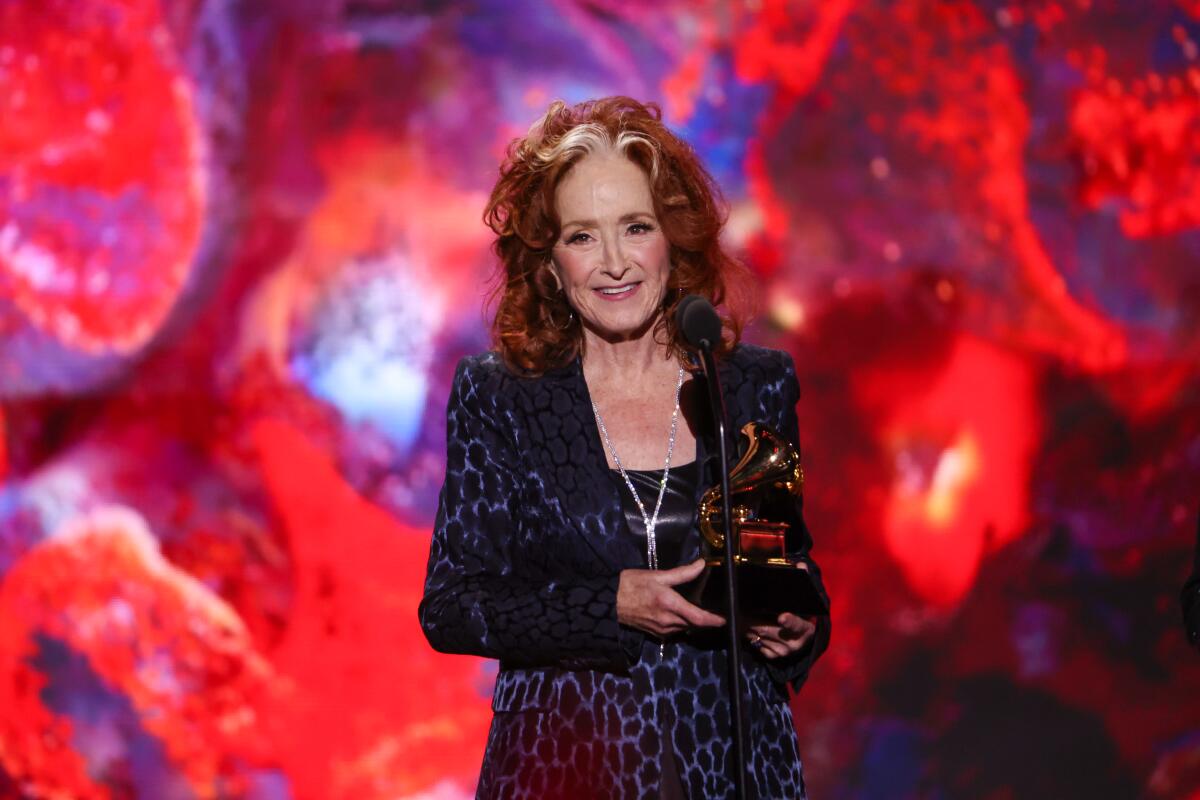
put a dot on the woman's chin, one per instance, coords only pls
(611, 330)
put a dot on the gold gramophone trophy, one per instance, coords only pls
(763, 486)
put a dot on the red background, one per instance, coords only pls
(241, 252)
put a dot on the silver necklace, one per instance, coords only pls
(650, 521)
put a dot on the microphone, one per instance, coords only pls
(697, 320)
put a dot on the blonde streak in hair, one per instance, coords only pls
(627, 139)
(580, 140)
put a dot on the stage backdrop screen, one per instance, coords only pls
(241, 253)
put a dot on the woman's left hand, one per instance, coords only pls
(789, 636)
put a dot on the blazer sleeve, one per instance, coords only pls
(794, 669)
(477, 600)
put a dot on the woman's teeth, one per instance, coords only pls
(618, 290)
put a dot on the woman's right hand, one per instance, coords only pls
(646, 600)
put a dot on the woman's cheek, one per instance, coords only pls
(570, 277)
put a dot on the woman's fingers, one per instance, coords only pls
(774, 650)
(647, 600)
(768, 646)
(683, 574)
(790, 636)
(668, 622)
(796, 627)
(690, 614)
(676, 614)
(695, 615)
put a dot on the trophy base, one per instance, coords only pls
(766, 589)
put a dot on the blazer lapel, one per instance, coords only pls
(569, 456)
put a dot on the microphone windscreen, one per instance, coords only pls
(697, 320)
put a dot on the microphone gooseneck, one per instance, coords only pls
(700, 326)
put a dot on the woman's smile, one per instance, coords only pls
(617, 293)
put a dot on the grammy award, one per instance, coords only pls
(771, 579)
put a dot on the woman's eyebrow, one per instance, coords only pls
(591, 223)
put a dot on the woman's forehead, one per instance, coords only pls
(601, 184)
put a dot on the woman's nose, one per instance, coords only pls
(615, 261)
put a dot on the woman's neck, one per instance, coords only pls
(627, 360)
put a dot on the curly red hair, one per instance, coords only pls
(534, 328)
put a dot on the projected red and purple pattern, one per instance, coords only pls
(241, 252)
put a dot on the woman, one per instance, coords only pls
(575, 462)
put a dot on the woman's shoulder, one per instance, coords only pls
(481, 365)
(765, 381)
(480, 370)
(751, 358)
(489, 372)
(480, 383)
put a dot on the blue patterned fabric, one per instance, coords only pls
(526, 556)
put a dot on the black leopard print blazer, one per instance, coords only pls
(527, 550)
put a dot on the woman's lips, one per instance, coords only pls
(614, 293)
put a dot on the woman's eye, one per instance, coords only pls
(578, 237)
(640, 227)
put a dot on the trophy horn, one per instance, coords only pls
(770, 465)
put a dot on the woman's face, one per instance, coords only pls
(611, 257)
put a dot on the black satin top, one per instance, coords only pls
(676, 516)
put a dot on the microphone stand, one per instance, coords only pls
(732, 551)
